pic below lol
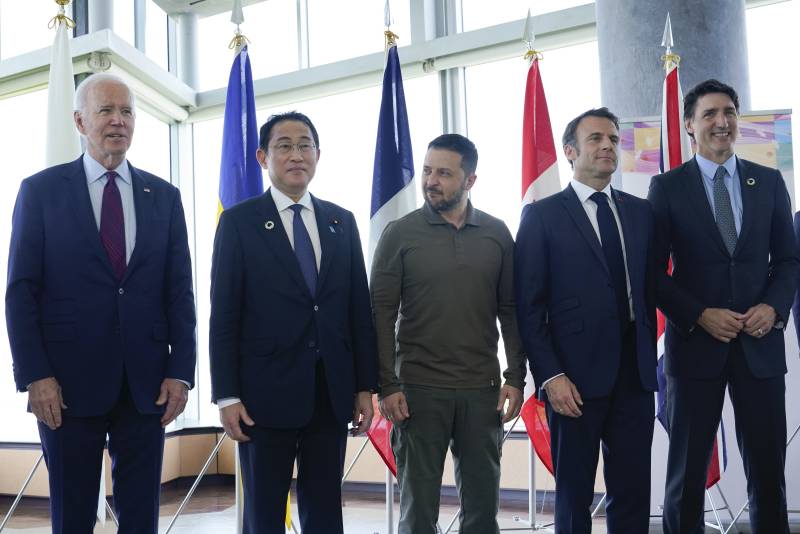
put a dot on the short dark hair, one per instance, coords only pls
(569, 132)
(461, 145)
(704, 88)
(266, 129)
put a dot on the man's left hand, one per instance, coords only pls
(514, 397)
(759, 320)
(362, 413)
(174, 394)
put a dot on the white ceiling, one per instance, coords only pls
(202, 8)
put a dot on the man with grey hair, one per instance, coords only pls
(100, 315)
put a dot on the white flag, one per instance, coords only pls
(63, 142)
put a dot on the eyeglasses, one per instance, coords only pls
(288, 148)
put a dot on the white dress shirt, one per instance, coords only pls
(283, 204)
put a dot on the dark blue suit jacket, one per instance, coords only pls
(796, 305)
(566, 306)
(763, 267)
(69, 317)
(267, 331)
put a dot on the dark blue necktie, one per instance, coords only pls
(304, 250)
(612, 248)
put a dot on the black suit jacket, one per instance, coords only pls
(762, 268)
(267, 330)
(566, 305)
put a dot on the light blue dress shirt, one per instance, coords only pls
(707, 169)
(96, 180)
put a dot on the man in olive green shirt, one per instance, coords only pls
(446, 270)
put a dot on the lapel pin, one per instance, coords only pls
(751, 181)
(146, 189)
(269, 225)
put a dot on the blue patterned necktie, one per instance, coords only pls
(612, 248)
(304, 250)
(723, 212)
(112, 225)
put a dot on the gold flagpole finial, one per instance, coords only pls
(391, 37)
(61, 17)
(238, 41)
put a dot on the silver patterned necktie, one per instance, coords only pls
(723, 211)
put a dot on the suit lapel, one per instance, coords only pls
(328, 227)
(143, 204)
(749, 193)
(699, 200)
(84, 213)
(578, 214)
(629, 233)
(275, 237)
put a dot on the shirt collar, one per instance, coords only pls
(94, 170)
(283, 201)
(708, 168)
(584, 191)
(472, 217)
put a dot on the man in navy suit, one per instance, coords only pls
(293, 350)
(727, 225)
(586, 312)
(100, 315)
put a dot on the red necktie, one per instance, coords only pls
(112, 225)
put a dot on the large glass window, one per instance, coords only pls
(480, 13)
(24, 123)
(150, 147)
(124, 20)
(331, 39)
(23, 26)
(271, 28)
(347, 124)
(155, 39)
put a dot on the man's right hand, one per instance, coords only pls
(46, 401)
(230, 416)
(564, 397)
(395, 408)
(721, 324)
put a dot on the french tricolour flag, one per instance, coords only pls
(393, 187)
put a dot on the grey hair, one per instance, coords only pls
(86, 85)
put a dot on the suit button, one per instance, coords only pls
(316, 308)
(121, 291)
(312, 344)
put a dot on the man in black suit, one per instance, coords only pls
(293, 350)
(586, 311)
(727, 225)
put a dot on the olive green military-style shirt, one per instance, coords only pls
(437, 293)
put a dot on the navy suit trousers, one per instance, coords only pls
(623, 423)
(267, 461)
(73, 453)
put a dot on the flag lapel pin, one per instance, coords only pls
(146, 189)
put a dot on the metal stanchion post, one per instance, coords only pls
(389, 502)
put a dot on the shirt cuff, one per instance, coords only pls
(544, 384)
(184, 382)
(227, 401)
